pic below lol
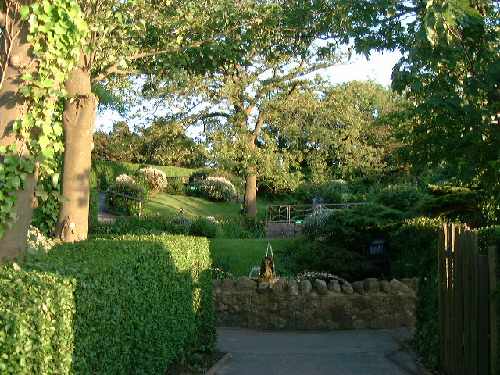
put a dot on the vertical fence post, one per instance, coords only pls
(443, 245)
(494, 346)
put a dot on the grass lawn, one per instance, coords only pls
(238, 256)
(167, 204)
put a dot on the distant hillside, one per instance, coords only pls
(104, 172)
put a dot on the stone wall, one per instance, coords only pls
(288, 304)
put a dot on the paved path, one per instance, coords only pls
(362, 352)
(103, 215)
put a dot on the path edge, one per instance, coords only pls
(219, 364)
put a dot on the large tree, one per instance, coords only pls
(338, 131)
(281, 45)
(450, 73)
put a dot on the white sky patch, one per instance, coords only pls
(378, 68)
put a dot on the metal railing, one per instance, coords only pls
(297, 213)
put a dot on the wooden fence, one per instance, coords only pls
(467, 311)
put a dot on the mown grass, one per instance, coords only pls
(167, 204)
(238, 256)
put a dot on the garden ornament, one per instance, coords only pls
(267, 272)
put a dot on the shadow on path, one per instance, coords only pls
(360, 352)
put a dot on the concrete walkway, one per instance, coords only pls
(361, 352)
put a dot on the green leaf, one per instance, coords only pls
(24, 13)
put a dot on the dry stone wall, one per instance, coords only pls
(316, 304)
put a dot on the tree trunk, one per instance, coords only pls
(15, 58)
(251, 194)
(78, 121)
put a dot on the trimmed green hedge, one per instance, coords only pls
(93, 208)
(129, 305)
(413, 251)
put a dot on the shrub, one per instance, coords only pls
(355, 228)
(454, 204)
(404, 197)
(204, 227)
(125, 196)
(204, 173)
(144, 225)
(413, 249)
(303, 255)
(129, 305)
(175, 185)
(38, 242)
(413, 246)
(155, 179)
(225, 227)
(240, 227)
(314, 224)
(335, 191)
(93, 208)
(215, 189)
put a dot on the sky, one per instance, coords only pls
(378, 68)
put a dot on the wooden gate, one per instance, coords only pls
(466, 308)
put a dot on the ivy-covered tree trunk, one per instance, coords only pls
(15, 58)
(78, 120)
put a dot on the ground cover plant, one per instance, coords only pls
(131, 304)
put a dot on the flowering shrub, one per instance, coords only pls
(216, 189)
(37, 241)
(325, 276)
(124, 179)
(155, 179)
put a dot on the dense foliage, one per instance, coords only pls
(305, 255)
(111, 306)
(223, 227)
(126, 196)
(413, 250)
(160, 143)
(449, 73)
(339, 131)
(56, 33)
